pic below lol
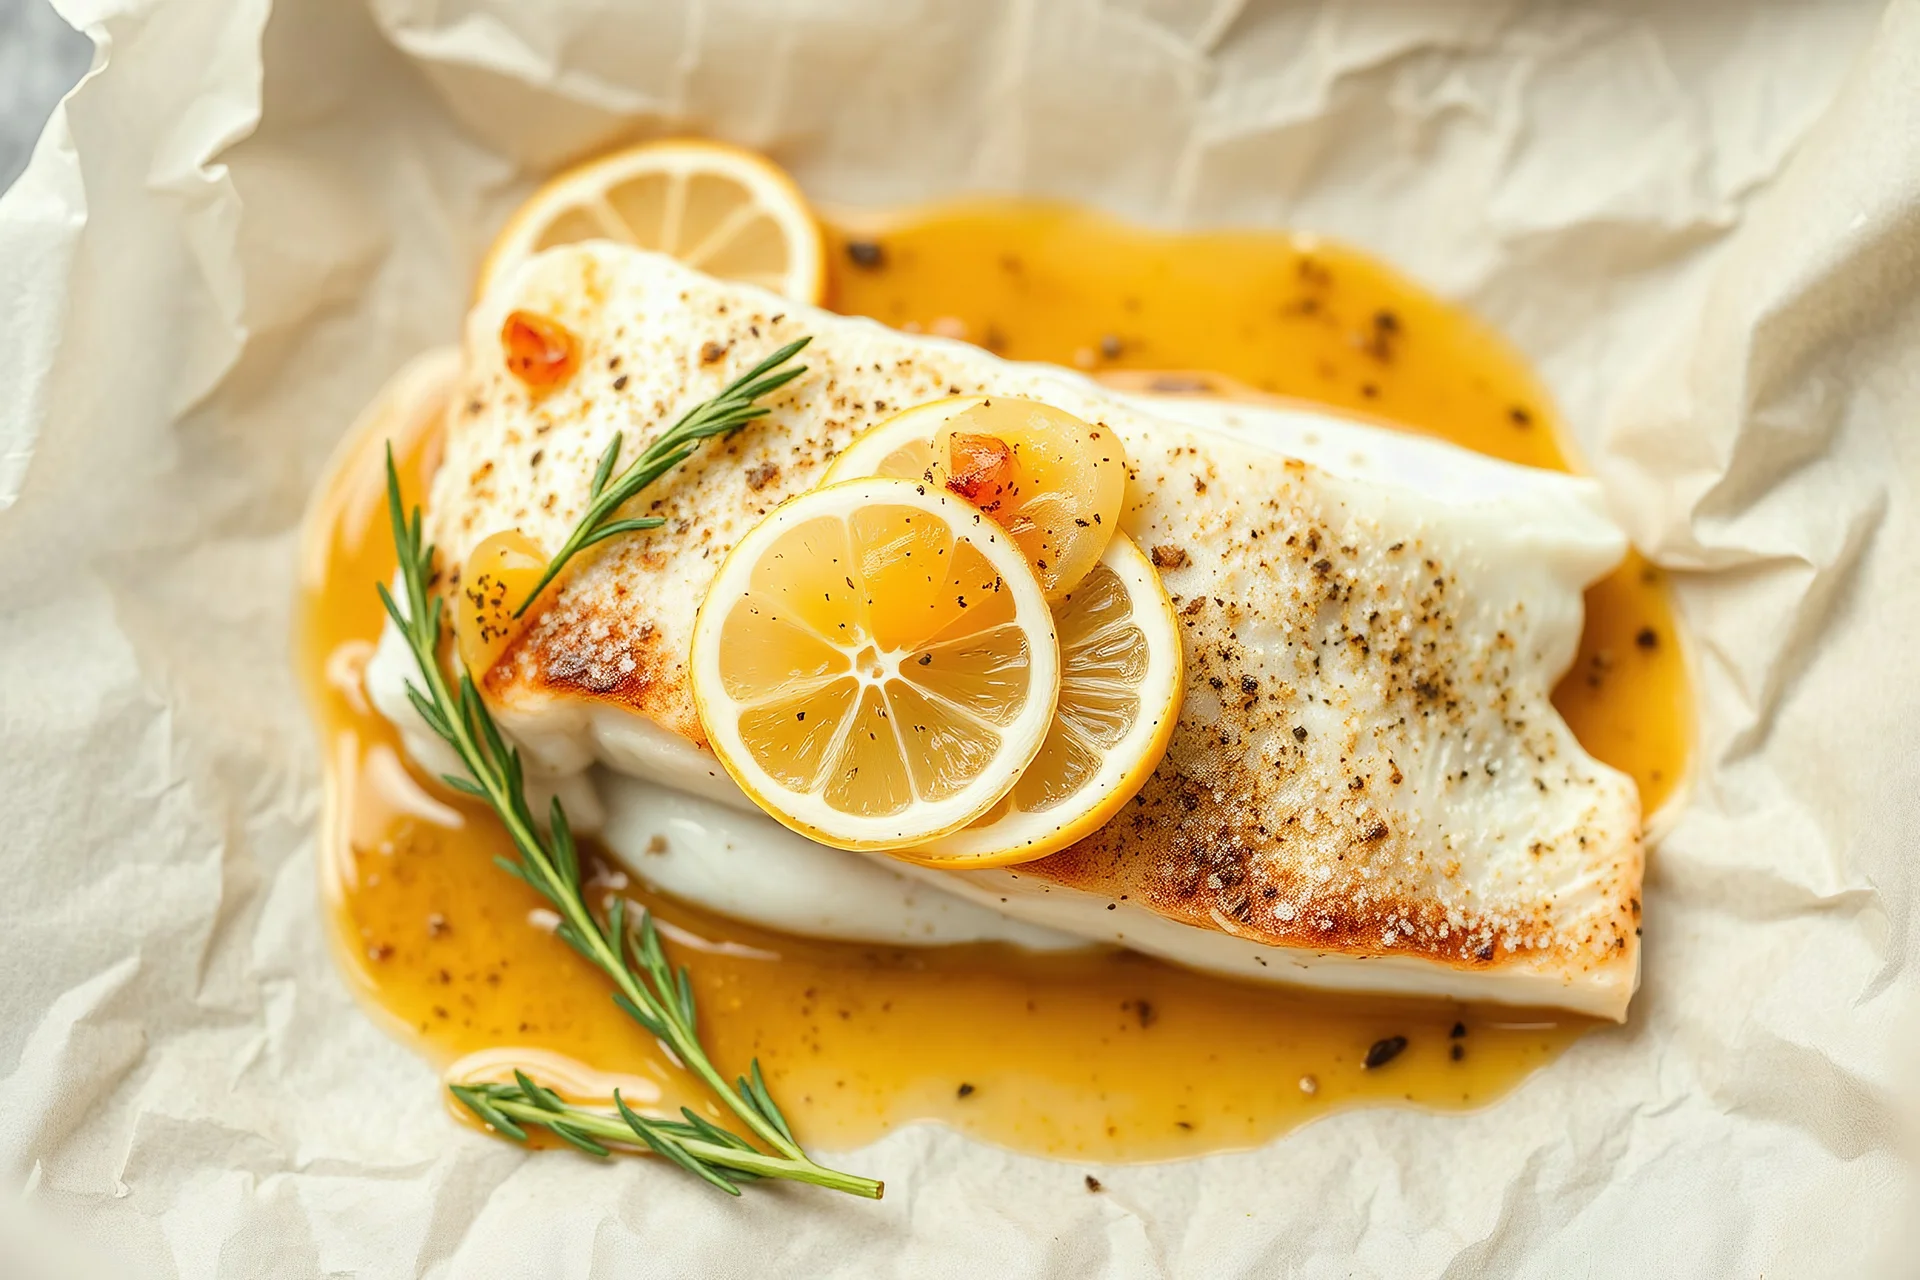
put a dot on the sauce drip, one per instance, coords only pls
(1100, 1055)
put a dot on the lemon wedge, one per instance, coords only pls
(875, 664)
(723, 210)
(1054, 482)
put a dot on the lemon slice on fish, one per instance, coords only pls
(723, 210)
(1121, 685)
(1121, 678)
(875, 664)
(900, 446)
(497, 576)
(1051, 480)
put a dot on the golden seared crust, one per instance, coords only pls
(1367, 764)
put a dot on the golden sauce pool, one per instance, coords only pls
(1100, 1055)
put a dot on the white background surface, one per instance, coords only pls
(1701, 221)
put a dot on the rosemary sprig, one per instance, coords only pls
(696, 1144)
(726, 413)
(652, 991)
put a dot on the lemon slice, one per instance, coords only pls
(728, 212)
(900, 446)
(1121, 676)
(497, 576)
(875, 664)
(1054, 482)
(1121, 683)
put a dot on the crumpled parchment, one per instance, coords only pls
(1702, 222)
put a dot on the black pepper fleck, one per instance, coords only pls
(1384, 1051)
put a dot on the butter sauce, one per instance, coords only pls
(1097, 1055)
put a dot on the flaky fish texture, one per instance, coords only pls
(1368, 787)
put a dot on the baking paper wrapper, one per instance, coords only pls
(1701, 221)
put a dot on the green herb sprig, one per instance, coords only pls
(723, 415)
(696, 1144)
(652, 991)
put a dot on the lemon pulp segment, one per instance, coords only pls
(1103, 658)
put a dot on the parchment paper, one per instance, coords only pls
(1701, 220)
